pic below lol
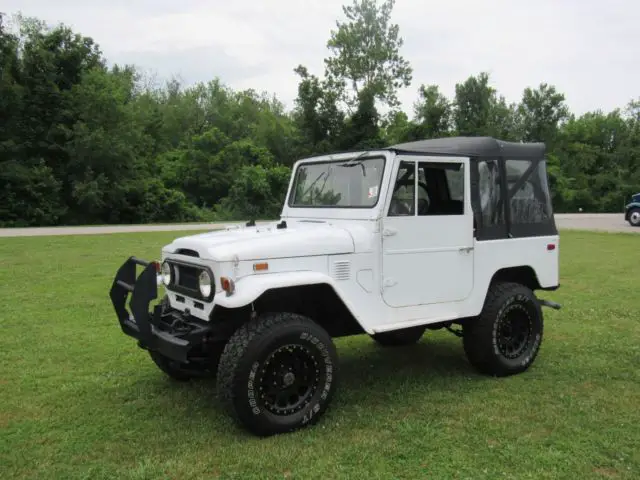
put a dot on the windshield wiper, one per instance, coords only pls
(354, 161)
(313, 183)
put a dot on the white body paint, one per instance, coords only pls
(390, 272)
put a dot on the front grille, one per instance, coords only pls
(187, 277)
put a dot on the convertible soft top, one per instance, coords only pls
(474, 147)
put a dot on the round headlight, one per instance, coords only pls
(204, 282)
(165, 272)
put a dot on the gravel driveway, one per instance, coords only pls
(612, 222)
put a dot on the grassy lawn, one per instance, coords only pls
(78, 399)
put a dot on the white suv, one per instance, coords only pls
(391, 242)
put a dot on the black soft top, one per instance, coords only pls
(474, 147)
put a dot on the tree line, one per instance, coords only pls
(85, 143)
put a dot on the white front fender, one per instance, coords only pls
(249, 288)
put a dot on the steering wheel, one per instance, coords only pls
(400, 208)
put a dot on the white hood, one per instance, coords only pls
(266, 241)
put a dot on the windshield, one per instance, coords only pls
(351, 183)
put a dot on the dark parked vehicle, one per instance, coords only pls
(632, 211)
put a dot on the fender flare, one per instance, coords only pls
(248, 289)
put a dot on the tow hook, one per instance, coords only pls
(550, 304)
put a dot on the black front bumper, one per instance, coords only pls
(168, 332)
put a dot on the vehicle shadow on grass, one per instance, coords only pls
(431, 361)
(427, 358)
(368, 373)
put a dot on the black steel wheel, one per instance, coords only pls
(505, 339)
(277, 373)
(289, 379)
(514, 331)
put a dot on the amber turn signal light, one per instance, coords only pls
(260, 267)
(227, 285)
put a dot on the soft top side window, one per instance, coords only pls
(403, 194)
(529, 200)
(443, 188)
(437, 190)
(491, 194)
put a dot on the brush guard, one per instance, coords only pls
(142, 324)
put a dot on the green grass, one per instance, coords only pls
(78, 399)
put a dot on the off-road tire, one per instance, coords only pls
(632, 222)
(406, 336)
(260, 353)
(485, 337)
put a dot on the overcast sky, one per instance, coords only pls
(588, 49)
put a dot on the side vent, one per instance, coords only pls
(341, 270)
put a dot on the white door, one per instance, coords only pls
(427, 238)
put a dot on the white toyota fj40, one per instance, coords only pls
(391, 242)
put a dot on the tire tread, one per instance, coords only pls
(478, 332)
(237, 346)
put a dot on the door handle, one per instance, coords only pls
(387, 232)
(466, 249)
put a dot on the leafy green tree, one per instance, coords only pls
(473, 103)
(317, 116)
(397, 128)
(84, 143)
(598, 157)
(365, 54)
(40, 67)
(362, 129)
(504, 122)
(541, 112)
(433, 112)
(29, 195)
(478, 110)
(257, 192)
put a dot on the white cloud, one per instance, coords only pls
(588, 49)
